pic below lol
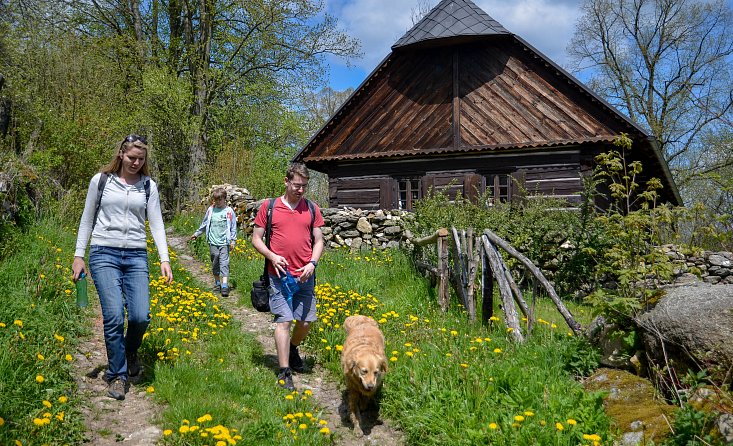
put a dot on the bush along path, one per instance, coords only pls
(324, 388)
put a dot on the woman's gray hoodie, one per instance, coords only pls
(121, 219)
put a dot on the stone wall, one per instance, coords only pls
(359, 229)
(710, 267)
(353, 228)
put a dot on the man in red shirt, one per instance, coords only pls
(295, 246)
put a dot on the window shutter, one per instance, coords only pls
(473, 187)
(386, 193)
(518, 188)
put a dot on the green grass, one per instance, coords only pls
(39, 325)
(451, 381)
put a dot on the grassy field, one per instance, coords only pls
(450, 381)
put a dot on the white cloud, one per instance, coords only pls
(546, 24)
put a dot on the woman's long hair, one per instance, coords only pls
(115, 165)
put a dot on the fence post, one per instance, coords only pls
(443, 289)
(487, 288)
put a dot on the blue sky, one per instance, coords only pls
(548, 25)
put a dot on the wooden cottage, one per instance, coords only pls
(461, 102)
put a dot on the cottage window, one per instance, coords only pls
(409, 189)
(498, 188)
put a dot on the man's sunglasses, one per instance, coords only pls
(133, 138)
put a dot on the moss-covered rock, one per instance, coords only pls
(632, 402)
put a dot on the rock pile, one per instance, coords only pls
(353, 228)
(710, 267)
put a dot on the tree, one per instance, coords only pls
(667, 64)
(221, 52)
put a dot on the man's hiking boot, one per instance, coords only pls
(133, 365)
(285, 379)
(116, 389)
(294, 359)
(217, 288)
(225, 291)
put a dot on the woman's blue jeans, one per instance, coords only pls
(122, 281)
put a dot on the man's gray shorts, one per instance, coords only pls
(304, 302)
(219, 260)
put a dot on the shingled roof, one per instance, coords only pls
(451, 18)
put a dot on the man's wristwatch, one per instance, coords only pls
(315, 264)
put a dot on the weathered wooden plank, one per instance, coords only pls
(510, 311)
(538, 274)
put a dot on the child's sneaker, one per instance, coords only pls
(285, 379)
(225, 291)
(217, 288)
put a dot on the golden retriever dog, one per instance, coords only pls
(364, 364)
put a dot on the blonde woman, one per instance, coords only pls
(120, 198)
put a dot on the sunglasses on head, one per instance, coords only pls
(133, 138)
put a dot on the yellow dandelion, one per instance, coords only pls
(465, 366)
(302, 426)
(559, 426)
(63, 399)
(40, 378)
(2, 421)
(58, 337)
(518, 418)
(167, 432)
(60, 416)
(493, 426)
(572, 422)
(288, 397)
(150, 389)
(325, 431)
(528, 413)
(18, 322)
(393, 359)
(497, 350)
(494, 319)
(453, 333)
(47, 403)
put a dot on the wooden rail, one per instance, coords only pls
(463, 277)
(439, 238)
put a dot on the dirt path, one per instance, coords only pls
(326, 389)
(111, 422)
(133, 421)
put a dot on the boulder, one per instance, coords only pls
(633, 404)
(692, 325)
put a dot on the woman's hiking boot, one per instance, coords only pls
(117, 388)
(133, 365)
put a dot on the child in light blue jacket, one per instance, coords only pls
(220, 225)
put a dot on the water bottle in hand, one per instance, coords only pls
(82, 298)
(290, 287)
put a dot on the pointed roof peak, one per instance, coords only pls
(451, 18)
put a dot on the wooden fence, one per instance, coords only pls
(461, 273)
